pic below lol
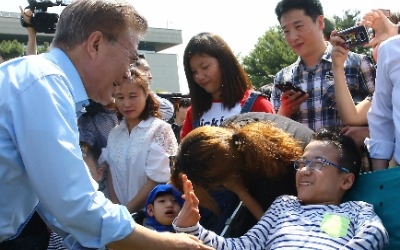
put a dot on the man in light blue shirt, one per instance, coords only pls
(40, 158)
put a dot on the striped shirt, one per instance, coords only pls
(319, 110)
(290, 225)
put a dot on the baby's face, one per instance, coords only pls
(165, 209)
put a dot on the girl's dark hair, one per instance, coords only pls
(234, 80)
(312, 8)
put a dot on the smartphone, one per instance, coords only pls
(289, 86)
(354, 36)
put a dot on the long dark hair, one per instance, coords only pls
(234, 79)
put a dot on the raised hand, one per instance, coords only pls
(189, 214)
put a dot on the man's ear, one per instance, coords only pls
(93, 43)
(321, 22)
(348, 181)
(150, 210)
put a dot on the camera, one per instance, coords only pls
(41, 20)
(354, 36)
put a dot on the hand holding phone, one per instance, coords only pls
(354, 36)
(289, 86)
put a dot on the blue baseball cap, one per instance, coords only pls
(164, 189)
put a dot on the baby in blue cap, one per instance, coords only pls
(162, 206)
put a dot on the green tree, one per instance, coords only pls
(43, 48)
(270, 54)
(12, 49)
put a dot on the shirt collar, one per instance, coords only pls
(58, 57)
(327, 56)
(146, 123)
(142, 124)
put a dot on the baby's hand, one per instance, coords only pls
(189, 214)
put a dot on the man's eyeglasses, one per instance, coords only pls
(317, 163)
(133, 57)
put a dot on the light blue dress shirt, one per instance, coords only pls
(40, 158)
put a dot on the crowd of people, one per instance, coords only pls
(102, 146)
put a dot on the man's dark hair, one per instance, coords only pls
(184, 102)
(350, 157)
(312, 8)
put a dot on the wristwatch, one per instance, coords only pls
(398, 29)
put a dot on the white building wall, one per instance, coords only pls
(164, 68)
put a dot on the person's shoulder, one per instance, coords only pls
(362, 205)
(287, 200)
(288, 70)
(159, 124)
(119, 127)
(390, 43)
(358, 208)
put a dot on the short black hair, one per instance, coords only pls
(312, 8)
(350, 156)
(184, 102)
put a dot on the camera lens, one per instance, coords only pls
(362, 37)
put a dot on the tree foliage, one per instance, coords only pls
(271, 52)
(11, 49)
(43, 48)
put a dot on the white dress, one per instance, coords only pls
(135, 157)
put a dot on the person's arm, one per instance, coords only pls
(139, 201)
(235, 183)
(357, 133)
(144, 238)
(379, 164)
(31, 46)
(384, 108)
(350, 114)
(187, 123)
(111, 191)
(370, 232)
(290, 102)
(381, 25)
